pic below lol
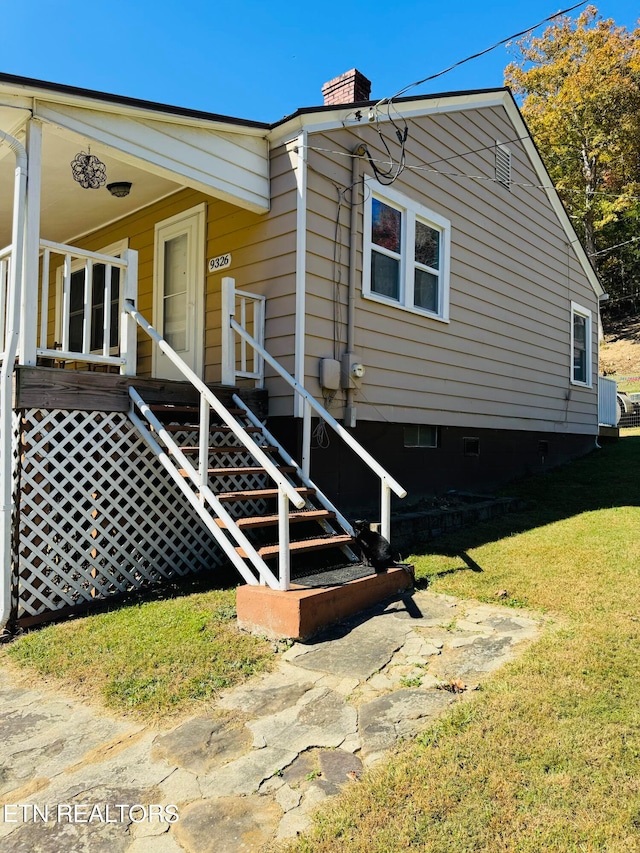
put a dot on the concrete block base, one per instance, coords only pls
(300, 612)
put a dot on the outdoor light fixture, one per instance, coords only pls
(88, 171)
(120, 188)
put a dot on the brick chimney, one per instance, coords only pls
(349, 88)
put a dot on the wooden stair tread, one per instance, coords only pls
(270, 520)
(304, 545)
(256, 494)
(223, 472)
(169, 408)
(249, 469)
(213, 428)
(229, 448)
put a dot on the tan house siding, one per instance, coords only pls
(503, 361)
(263, 252)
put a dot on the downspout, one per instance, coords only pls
(6, 371)
(301, 268)
(356, 162)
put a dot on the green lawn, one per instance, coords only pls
(547, 756)
(151, 657)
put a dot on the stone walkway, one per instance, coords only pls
(73, 779)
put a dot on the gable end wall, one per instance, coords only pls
(503, 360)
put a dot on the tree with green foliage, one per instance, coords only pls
(579, 88)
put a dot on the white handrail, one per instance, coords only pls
(387, 482)
(241, 434)
(213, 528)
(289, 460)
(229, 370)
(324, 414)
(206, 494)
(64, 249)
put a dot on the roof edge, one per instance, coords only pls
(124, 100)
(407, 99)
(535, 156)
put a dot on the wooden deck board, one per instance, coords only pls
(79, 390)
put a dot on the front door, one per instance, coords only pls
(179, 277)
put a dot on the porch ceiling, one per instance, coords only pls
(68, 210)
(158, 151)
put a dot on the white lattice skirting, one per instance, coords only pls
(98, 515)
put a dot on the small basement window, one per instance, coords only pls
(471, 446)
(420, 435)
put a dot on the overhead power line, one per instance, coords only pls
(427, 167)
(482, 52)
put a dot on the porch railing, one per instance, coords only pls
(236, 354)
(387, 483)
(607, 401)
(123, 354)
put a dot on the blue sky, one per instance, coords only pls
(263, 60)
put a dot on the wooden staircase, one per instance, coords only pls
(318, 537)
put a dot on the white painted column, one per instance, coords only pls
(6, 373)
(228, 340)
(301, 268)
(29, 297)
(128, 327)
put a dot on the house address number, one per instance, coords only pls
(220, 263)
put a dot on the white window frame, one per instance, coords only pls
(114, 250)
(423, 430)
(585, 313)
(411, 211)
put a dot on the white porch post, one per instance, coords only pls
(228, 340)
(29, 298)
(128, 328)
(6, 373)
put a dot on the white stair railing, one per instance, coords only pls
(208, 401)
(250, 308)
(176, 460)
(387, 483)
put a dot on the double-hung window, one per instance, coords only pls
(580, 345)
(406, 253)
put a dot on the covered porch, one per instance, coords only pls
(98, 176)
